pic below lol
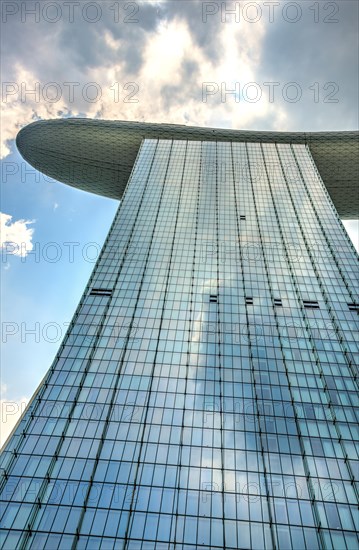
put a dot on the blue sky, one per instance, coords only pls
(151, 61)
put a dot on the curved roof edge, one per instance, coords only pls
(98, 155)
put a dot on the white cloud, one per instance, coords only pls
(23, 107)
(10, 412)
(16, 237)
(168, 91)
(352, 228)
(169, 55)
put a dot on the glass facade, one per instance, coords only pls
(204, 395)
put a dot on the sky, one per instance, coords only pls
(281, 66)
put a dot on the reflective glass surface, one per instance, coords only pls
(204, 395)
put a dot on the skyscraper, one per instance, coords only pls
(205, 393)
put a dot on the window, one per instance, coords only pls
(354, 307)
(213, 298)
(277, 302)
(310, 304)
(101, 292)
(249, 301)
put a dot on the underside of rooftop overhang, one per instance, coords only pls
(98, 155)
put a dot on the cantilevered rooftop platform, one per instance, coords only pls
(98, 155)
